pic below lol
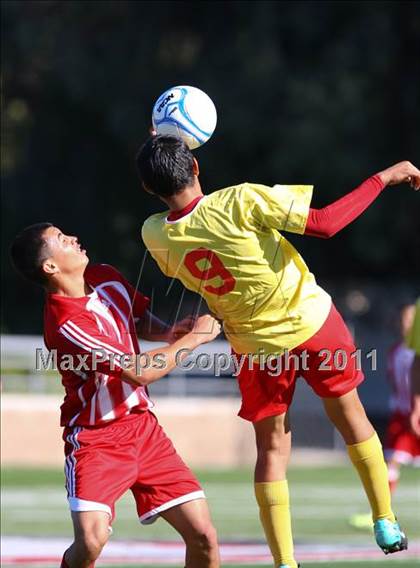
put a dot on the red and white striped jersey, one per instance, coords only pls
(102, 326)
(400, 361)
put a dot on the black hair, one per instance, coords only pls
(165, 165)
(29, 250)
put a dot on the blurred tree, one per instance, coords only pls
(319, 92)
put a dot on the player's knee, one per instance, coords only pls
(92, 542)
(271, 442)
(203, 538)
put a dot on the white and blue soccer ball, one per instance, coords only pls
(185, 112)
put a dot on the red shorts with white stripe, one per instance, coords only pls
(326, 361)
(401, 444)
(134, 453)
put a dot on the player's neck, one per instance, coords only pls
(71, 286)
(181, 200)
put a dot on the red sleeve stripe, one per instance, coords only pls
(87, 346)
(81, 333)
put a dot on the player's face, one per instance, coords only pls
(66, 253)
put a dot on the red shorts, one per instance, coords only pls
(133, 453)
(325, 361)
(401, 444)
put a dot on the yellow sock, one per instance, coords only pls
(273, 501)
(368, 459)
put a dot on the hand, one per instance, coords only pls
(403, 172)
(206, 328)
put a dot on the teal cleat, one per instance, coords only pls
(389, 536)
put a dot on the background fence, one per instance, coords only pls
(197, 408)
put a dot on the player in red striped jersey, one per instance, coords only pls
(113, 442)
(402, 446)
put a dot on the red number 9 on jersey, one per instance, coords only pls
(215, 268)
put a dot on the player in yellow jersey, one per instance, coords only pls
(227, 247)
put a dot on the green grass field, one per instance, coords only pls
(33, 503)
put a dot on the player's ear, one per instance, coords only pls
(196, 168)
(49, 266)
(146, 189)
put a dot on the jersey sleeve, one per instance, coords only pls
(139, 301)
(159, 255)
(79, 336)
(282, 207)
(413, 340)
(329, 220)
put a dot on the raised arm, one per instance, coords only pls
(151, 328)
(326, 222)
(205, 329)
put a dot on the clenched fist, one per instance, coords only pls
(207, 328)
(403, 172)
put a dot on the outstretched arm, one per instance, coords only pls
(205, 329)
(151, 328)
(328, 221)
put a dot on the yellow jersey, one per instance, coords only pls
(229, 250)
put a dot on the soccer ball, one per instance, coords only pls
(185, 112)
